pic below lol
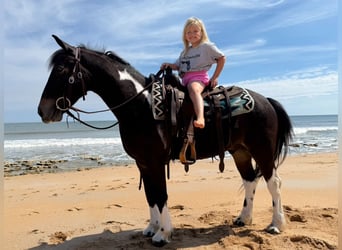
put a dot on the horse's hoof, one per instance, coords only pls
(159, 243)
(238, 222)
(149, 234)
(272, 230)
(161, 239)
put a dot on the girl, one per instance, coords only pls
(194, 63)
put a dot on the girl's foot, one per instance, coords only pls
(199, 123)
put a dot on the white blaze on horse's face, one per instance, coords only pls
(124, 75)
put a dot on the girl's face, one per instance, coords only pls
(193, 35)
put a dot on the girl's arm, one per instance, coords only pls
(171, 65)
(219, 66)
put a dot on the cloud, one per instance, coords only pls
(310, 82)
(248, 4)
(301, 12)
(258, 51)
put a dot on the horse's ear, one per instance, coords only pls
(63, 44)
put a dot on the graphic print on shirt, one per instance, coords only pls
(187, 62)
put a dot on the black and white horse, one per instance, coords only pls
(262, 135)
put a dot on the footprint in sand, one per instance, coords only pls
(327, 216)
(214, 218)
(297, 218)
(312, 242)
(111, 222)
(36, 231)
(33, 213)
(119, 187)
(113, 205)
(74, 209)
(58, 237)
(294, 214)
(177, 207)
(54, 195)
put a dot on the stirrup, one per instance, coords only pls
(182, 154)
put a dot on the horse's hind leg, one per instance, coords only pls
(278, 220)
(250, 179)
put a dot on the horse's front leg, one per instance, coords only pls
(159, 227)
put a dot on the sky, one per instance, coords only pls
(284, 49)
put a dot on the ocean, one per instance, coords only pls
(73, 145)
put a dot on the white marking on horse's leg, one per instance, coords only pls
(124, 75)
(278, 220)
(245, 217)
(165, 230)
(154, 224)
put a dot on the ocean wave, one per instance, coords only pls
(43, 143)
(306, 130)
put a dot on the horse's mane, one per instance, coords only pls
(112, 55)
(54, 57)
(115, 57)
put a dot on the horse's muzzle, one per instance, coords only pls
(48, 112)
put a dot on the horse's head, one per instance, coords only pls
(65, 84)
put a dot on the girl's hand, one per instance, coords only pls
(171, 65)
(213, 82)
(165, 65)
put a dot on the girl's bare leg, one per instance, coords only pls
(195, 89)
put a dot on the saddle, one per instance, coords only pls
(171, 104)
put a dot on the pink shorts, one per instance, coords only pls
(196, 76)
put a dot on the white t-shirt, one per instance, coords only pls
(199, 58)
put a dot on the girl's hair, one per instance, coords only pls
(199, 23)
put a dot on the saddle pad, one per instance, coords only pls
(157, 101)
(241, 102)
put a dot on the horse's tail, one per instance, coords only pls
(285, 132)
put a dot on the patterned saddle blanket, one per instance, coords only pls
(240, 101)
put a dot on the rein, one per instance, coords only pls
(76, 73)
(87, 124)
(104, 110)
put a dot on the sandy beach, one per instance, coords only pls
(102, 208)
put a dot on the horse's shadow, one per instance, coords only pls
(133, 239)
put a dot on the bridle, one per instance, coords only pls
(76, 76)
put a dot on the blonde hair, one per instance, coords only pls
(199, 23)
